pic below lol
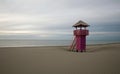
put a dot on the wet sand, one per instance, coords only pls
(98, 59)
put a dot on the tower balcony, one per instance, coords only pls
(81, 32)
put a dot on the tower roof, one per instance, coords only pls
(81, 24)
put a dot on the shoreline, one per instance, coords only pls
(58, 46)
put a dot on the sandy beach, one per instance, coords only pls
(98, 59)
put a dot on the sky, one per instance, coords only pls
(53, 19)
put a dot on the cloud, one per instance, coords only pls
(55, 17)
(105, 33)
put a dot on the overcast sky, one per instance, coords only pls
(53, 19)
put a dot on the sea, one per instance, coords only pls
(31, 43)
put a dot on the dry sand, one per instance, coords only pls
(99, 59)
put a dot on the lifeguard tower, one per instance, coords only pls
(79, 42)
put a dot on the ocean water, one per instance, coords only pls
(30, 43)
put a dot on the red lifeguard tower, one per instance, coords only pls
(79, 42)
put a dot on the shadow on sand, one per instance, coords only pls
(88, 50)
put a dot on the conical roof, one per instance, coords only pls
(81, 24)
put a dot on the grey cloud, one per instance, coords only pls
(56, 15)
(51, 6)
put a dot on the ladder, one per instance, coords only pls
(73, 44)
